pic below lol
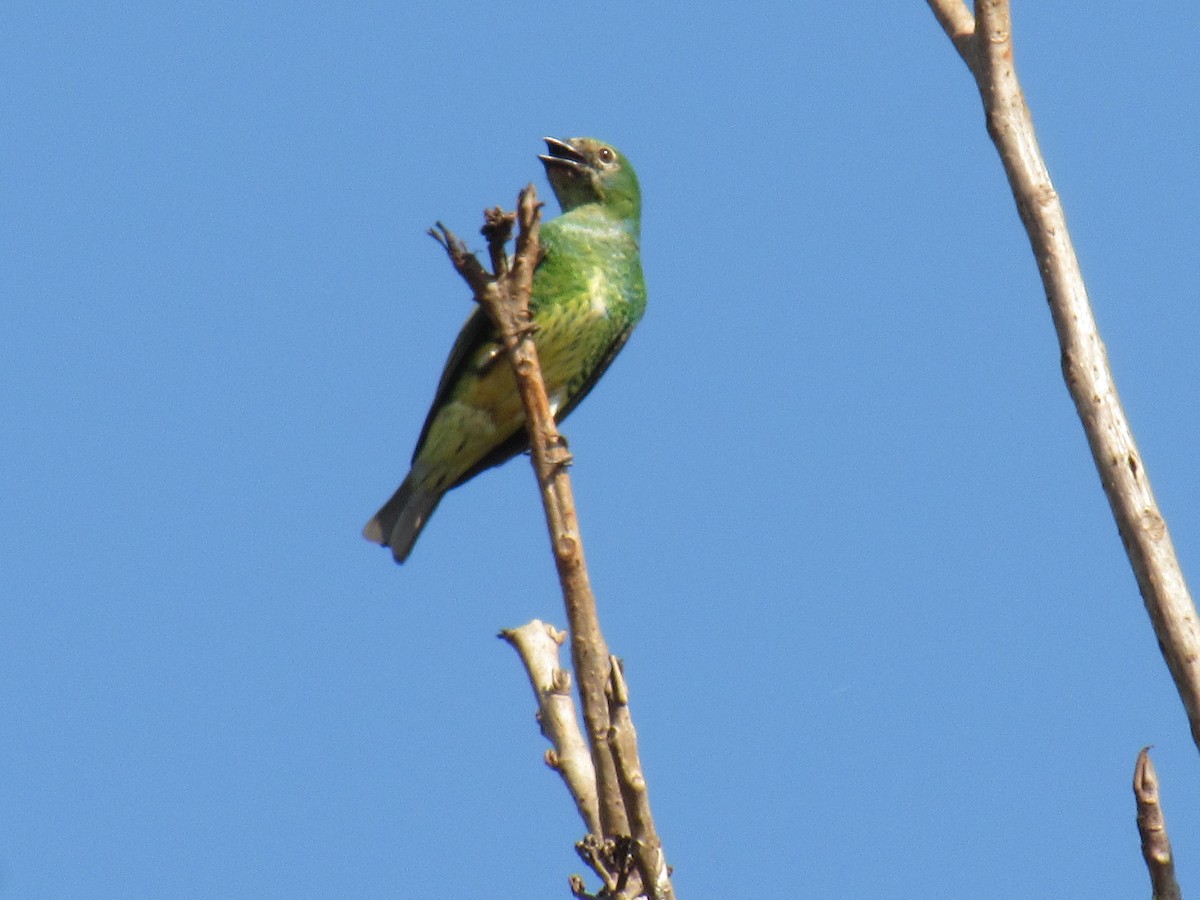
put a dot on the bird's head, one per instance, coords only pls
(585, 170)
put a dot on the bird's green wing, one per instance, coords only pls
(519, 442)
(476, 332)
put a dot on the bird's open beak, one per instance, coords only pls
(562, 155)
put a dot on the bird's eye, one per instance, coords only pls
(606, 156)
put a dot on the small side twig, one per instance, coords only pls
(647, 847)
(612, 861)
(497, 228)
(1152, 827)
(985, 44)
(537, 644)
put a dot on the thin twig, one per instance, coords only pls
(958, 23)
(647, 848)
(497, 228)
(600, 858)
(1152, 827)
(988, 52)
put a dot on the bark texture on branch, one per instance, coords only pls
(537, 644)
(647, 848)
(1152, 828)
(985, 43)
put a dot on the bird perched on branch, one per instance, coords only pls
(588, 294)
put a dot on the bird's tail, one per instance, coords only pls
(400, 520)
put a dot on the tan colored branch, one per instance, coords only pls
(589, 652)
(647, 848)
(505, 296)
(1152, 827)
(958, 23)
(537, 644)
(988, 52)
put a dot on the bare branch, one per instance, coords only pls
(1152, 827)
(497, 228)
(647, 848)
(609, 859)
(537, 644)
(509, 309)
(505, 296)
(958, 23)
(464, 261)
(988, 52)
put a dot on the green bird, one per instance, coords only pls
(588, 294)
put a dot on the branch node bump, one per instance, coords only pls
(566, 546)
(560, 682)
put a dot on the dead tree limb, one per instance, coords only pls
(984, 41)
(647, 848)
(505, 294)
(537, 644)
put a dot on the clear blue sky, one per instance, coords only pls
(879, 631)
